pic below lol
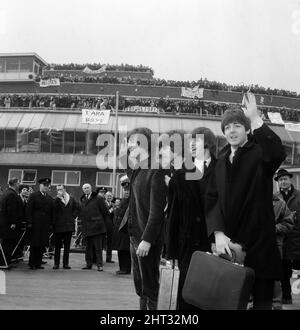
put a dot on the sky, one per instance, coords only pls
(230, 41)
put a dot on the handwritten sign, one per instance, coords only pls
(95, 117)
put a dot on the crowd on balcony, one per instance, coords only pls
(96, 66)
(162, 105)
(202, 83)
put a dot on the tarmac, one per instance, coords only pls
(76, 289)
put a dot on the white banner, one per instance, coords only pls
(88, 70)
(192, 92)
(50, 82)
(292, 127)
(137, 108)
(275, 117)
(95, 117)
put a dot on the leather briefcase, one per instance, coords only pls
(215, 283)
(168, 288)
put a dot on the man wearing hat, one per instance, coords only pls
(10, 218)
(40, 219)
(101, 191)
(243, 191)
(291, 249)
(121, 241)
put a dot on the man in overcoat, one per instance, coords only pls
(291, 247)
(65, 212)
(186, 230)
(10, 221)
(40, 221)
(243, 191)
(146, 217)
(93, 215)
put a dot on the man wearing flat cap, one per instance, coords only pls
(291, 248)
(40, 219)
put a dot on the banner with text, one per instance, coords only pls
(137, 108)
(275, 117)
(90, 71)
(95, 117)
(192, 92)
(50, 82)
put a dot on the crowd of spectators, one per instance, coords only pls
(162, 105)
(202, 83)
(96, 66)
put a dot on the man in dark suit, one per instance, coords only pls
(22, 235)
(93, 215)
(146, 217)
(186, 230)
(40, 221)
(10, 218)
(65, 212)
(121, 241)
(109, 226)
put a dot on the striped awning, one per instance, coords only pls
(126, 122)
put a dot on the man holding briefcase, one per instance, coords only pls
(242, 195)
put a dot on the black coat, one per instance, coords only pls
(40, 218)
(243, 193)
(10, 214)
(148, 197)
(186, 229)
(93, 215)
(121, 240)
(291, 248)
(64, 215)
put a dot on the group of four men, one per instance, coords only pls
(208, 201)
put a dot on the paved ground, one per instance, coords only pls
(74, 289)
(68, 289)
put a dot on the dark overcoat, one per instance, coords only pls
(121, 240)
(186, 229)
(291, 248)
(10, 214)
(93, 215)
(64, 215)
(243, 194)
(40, 218)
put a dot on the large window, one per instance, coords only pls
(80, 143)
(2, 65)
(1, 140)
(69, 140)
(12, 64)
(26, 65)
(25, 176)
(67, 178)
(105, 179)
(57, 141)
(45, 140)
(10, 140)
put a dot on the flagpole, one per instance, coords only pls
(115, 144)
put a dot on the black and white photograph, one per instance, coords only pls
(149, 158)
